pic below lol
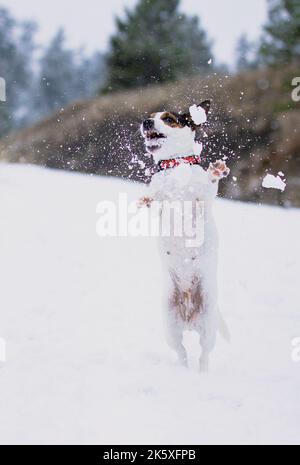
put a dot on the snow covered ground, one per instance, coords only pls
(87, 360)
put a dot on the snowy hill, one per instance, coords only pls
(87, 360)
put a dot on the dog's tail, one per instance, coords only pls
(223, 328)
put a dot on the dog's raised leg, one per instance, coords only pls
(218, 170)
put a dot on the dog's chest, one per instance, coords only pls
(189, 188)
(185, 182)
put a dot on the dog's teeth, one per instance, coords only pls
(153, 135)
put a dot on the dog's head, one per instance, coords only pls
(169, 134)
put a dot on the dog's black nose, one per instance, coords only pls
(148, 124)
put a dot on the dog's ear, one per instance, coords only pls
(205, 105)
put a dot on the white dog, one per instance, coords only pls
(191, 264)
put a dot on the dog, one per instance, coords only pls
(191, 272)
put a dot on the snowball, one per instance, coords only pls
(198, 114)
(210, 61)
(274, 182)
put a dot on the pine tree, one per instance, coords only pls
(281, 40)
(91, 75)
(155, 43)
(56, 78)
(245, 54)
(16, 47)
(65, 76)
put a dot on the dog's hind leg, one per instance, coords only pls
(208, 333)
(174, 318)
(174, 339)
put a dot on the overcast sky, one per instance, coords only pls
(91, 22)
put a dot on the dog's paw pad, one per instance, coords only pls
(144, 202)
(218, 169)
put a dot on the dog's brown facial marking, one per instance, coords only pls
(173, 120)
(170, 134)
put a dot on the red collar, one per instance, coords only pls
(173, 162)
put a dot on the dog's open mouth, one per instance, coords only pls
(153, 135)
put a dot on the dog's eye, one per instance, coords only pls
(169, 119)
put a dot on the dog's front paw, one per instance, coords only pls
(144, 202)
(218, 170)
